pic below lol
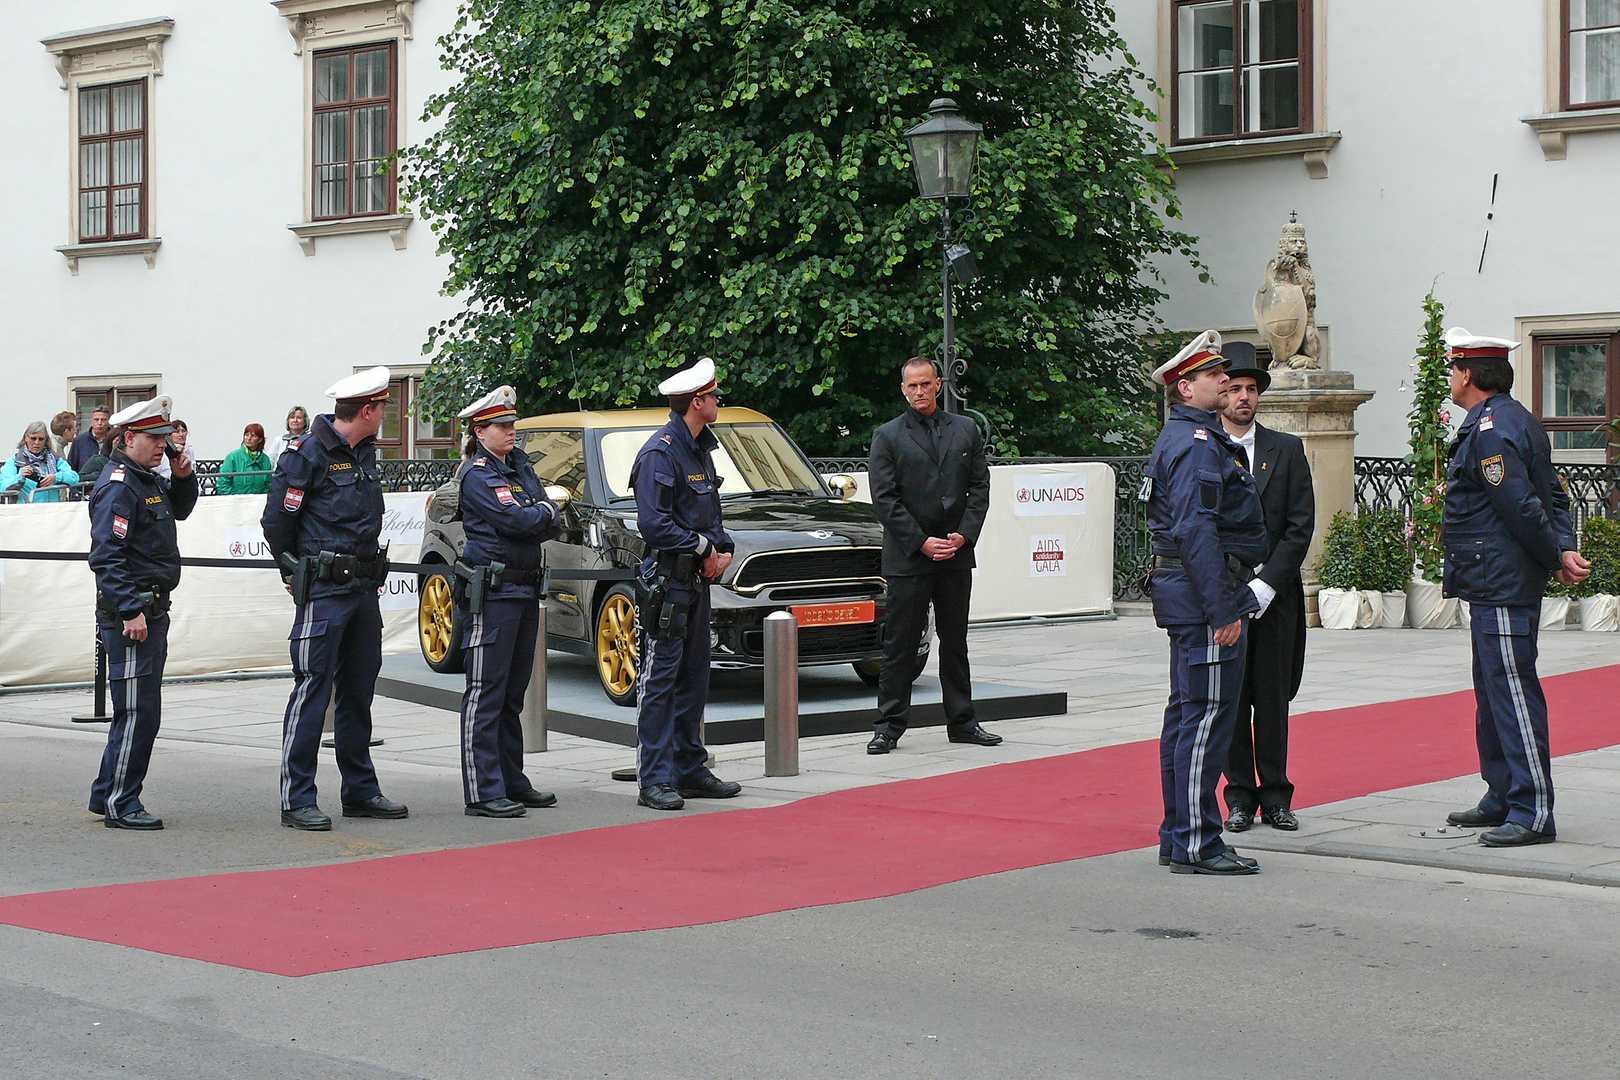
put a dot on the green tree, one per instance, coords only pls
(624, 185)
(1428, 423)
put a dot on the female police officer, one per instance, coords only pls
(136, 560)
(507, 516)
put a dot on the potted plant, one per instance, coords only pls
(1339, 602)
(1388, 563)
(1429, 423)
(1600, 592)
(1555, 605)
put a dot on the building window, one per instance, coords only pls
(1591, 34)
(1242, 69)
(88, 398)
(354, 100)
(1575, 392)
(112, 161)
(405, 434)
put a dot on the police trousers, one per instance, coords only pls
(499, 649)
(135, 683)
(1205, 679)
(336, 645)
(672, 690)
(1510, 716)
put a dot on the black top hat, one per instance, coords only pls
(1244, 364)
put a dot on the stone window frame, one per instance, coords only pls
(1559, 120)
(1311, 145)
(1538, 330)
(318, 25)
(100, 56)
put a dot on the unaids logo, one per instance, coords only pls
(238, 550)
(1049, 495)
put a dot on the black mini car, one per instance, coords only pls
(800, 547)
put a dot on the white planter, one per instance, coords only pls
(1338, 608)
(1426, 609)
(1554, 612)
(1600, 612)
(1370, 611)
(1464, 614)
(1394, 611)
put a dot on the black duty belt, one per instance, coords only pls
(154, 602)
(681, 567)
(505, 575)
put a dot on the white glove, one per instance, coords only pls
(1263, 593)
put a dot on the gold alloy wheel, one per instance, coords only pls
(616, 646)
(435, 618)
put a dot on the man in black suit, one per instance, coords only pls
(931, 489)
(1257, 764)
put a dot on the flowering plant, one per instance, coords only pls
(1429, 424)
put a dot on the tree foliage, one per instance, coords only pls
(624, 185)
(1428, 423)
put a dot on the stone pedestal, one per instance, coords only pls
(1319, 407)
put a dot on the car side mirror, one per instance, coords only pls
(844, 485)
(559, 495)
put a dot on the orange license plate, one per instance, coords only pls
(856, 611)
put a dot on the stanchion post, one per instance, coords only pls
(781, 694)
(99, 716)
(534, 698)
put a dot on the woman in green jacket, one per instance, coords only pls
(247, 458)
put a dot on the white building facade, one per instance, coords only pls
(1473, 145)
(196, 209)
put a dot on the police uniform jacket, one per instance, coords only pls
(1202, 507)
(325, 496)
(678, 493)
(133, 548)
(926, 484)
(507, 517)
(1507, 518)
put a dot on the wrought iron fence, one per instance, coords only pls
(1133, 554)
(1385, 483)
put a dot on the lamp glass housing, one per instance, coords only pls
(944, 151)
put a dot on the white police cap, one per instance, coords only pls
(1203, 351)
(500, 404)
(1460, 343)
(150, 416)
(697, 379)
(364, 386)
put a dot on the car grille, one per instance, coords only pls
(819, 641)
(799, 567)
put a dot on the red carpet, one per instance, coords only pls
(703, 868)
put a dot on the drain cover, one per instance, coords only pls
(1444, 832)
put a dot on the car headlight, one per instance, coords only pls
(714, 640)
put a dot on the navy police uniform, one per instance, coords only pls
(1208, 534)
(136, 559)
(326, 501)
(678, 511)
(1507, 524)
(507, 517)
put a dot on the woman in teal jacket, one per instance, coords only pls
(34, 470)
(247, 458)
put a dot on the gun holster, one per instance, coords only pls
(470, 584)
(665, 599)
(297, 573)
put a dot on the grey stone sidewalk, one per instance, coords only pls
(1114, 673)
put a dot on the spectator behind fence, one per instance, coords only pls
(89, 444)
(164, 469)
(297, 424)
(34, 470)
(249, 458)
(64, 429)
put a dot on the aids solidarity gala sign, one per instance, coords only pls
(1050, 495)
(1046, 557)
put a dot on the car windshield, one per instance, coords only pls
(750, 457)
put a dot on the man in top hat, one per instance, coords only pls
(1208, 534)
(1257, 765)
(678, 512)
(136, 559)
(322, 520)
(1506, 528)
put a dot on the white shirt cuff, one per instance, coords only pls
(1263, 593)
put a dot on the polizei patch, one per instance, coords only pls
(505, 495)
(1494, 470)
(294, 499)
(120, 527)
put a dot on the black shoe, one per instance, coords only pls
(1239, 819)
(709, 787)
(1280, 817)
(534, 798)
(1225, 864)
(1164, 859)
(882, 743)
(503, 808)
(378, 806)
(661, 797)
(1245, 860)
(1475, 819)
(977, 736)
(1512, 834)
(137, 820)
(307, 818)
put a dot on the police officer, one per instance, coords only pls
(136, 560)
(322, 520)
(1209, 535)
(678, 511)
(507, 517)
(1506, 528)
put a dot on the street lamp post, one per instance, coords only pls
(944, 150)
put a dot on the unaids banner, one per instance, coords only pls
(1048, 544)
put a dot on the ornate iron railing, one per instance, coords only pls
(1594, 490)
(1133, 554)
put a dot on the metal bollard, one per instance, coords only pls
(781, 694)
(99, 716)
(534, 698)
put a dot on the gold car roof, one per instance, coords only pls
(630, 418)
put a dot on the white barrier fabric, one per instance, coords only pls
(222, 619)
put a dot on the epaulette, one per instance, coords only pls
(294, 444)
(117, 476)
(667, 439)
(477, 461)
